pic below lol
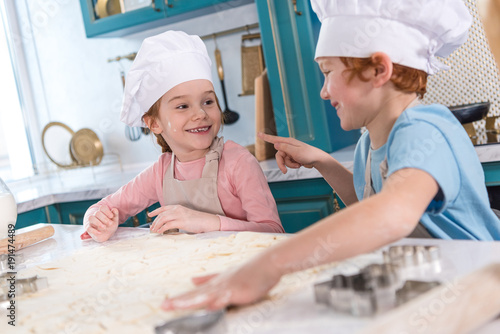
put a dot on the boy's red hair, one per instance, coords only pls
(406, 79)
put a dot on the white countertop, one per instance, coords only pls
(92, 183)
(299, 313)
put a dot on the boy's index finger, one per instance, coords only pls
(273, 139)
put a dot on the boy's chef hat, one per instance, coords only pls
(163, 61)
(411, 32)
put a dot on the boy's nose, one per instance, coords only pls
(324, 92)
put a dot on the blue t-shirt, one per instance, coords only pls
(430, 138)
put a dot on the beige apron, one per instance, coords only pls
(199, 194)
(420, 231)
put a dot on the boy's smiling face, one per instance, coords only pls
(189, 119)
(349, 98)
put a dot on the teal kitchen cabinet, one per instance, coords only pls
(158, 13)
(72, 212)
(491, 173)
(303, 202)
(289, 30)
(44, 215)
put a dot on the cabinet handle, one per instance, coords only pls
(294, 8)
(148, 219)
(135, 221)
(168, 5)
(154, 6)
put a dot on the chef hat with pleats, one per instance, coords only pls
(162, 62)
(411, 32)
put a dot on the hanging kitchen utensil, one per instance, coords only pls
(132, 133)
(252, 63)
(229, 116)
(86, 148)
(73, 162)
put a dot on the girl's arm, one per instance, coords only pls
(293, 153)
(360, 228)
(127, 201)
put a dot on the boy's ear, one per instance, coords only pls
(152, 124)
(383, 69)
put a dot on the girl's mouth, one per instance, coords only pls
(200, 129)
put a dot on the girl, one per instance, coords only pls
(202, 183)
(414, 164)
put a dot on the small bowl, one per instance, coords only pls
(468, 113)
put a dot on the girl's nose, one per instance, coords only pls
(200, 113)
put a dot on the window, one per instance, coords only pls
(16, 159)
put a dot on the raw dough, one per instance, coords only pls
(119, 288)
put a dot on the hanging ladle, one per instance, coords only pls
(229, 116)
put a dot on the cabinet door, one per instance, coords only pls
(120, 24)
(302, 202)
(491, 173)
(176, 7)
(73, 213)
(44, 215)
(289, 30)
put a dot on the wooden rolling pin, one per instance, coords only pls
(26, 239)
(454, 307)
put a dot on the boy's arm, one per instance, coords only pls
(360, 228)
(293, 153)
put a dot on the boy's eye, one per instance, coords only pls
(325, 73)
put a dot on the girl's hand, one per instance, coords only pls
(293, 153)
(244, 285)
(102, 224)
(178, 216)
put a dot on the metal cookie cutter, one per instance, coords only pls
(206, 322)
(380, 287)
(363, 294)
(7, 261)
(9, 285)
(414, 261)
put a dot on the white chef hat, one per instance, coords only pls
(162, 62)
(411, 32)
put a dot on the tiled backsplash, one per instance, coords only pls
(473, 77)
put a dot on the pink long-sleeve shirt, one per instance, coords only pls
(242, 188)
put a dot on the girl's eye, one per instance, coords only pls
(209, 102)
(325, 73)
(181, 106)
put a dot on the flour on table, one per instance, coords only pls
(118, 288)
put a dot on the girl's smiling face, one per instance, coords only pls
(349, 98)
(189, 119)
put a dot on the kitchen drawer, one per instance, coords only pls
(491, 173)
(303, 202)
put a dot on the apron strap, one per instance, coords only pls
(213, 156)
(420, 231)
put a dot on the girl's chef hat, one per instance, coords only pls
(163, 61)
(411, 32)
